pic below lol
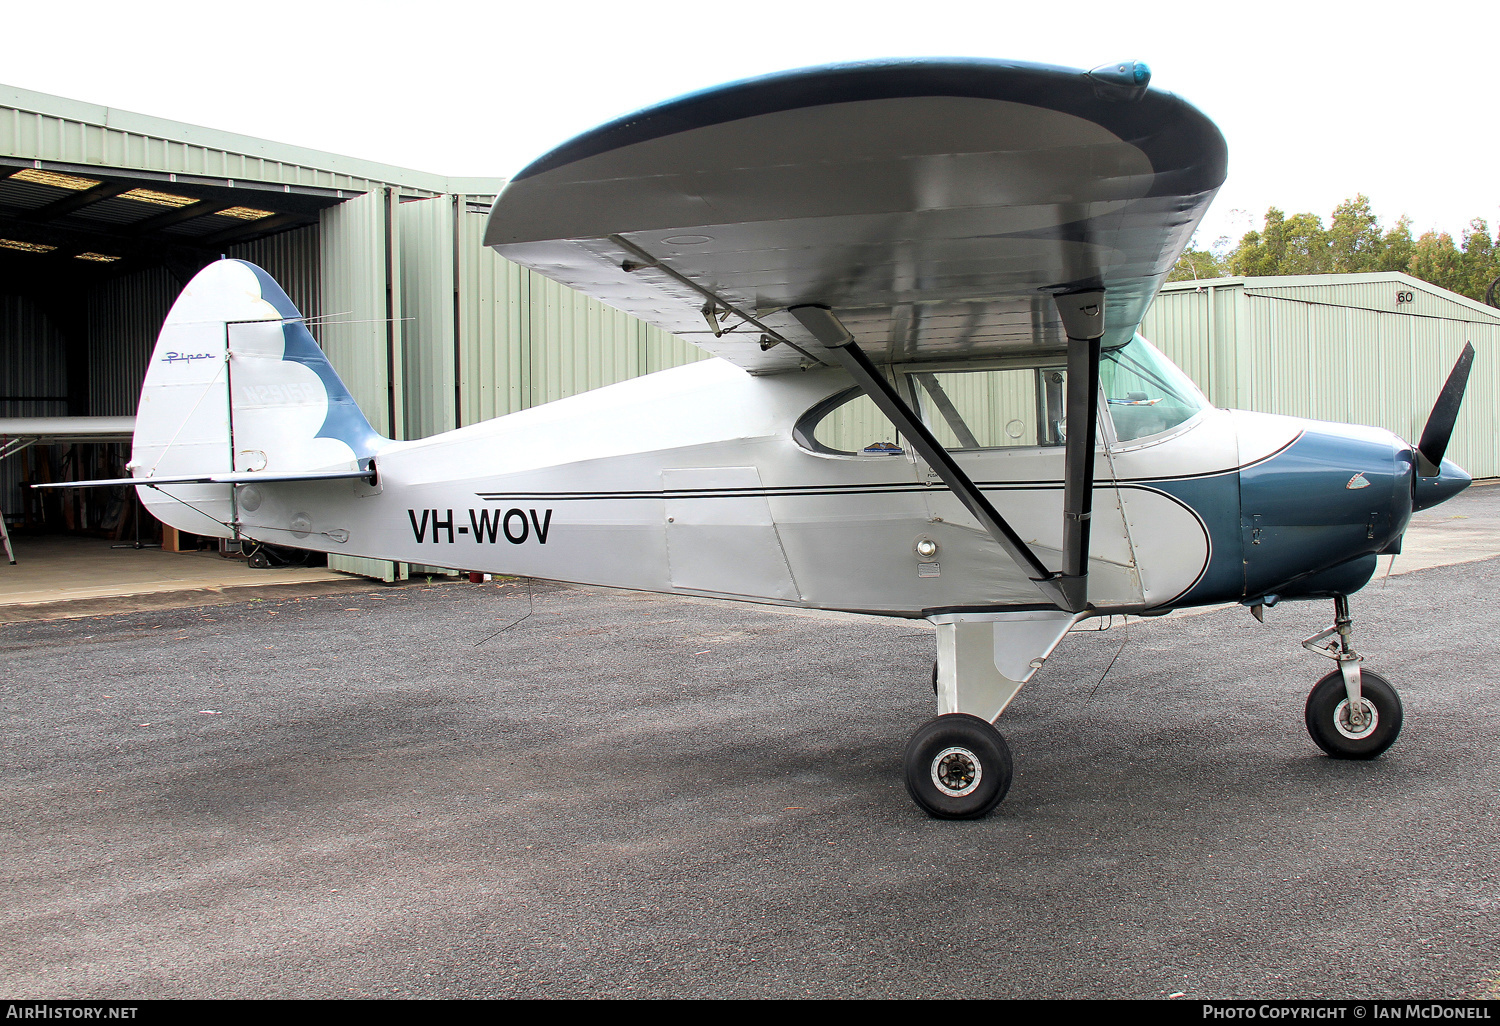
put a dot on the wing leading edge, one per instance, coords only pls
(936, 207)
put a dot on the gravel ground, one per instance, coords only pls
(637, 795)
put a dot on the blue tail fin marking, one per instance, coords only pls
(345, 421)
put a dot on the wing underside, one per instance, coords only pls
(936, 207)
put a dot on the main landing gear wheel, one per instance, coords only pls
(1328, 719)
(957, 767)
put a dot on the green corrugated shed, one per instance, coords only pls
(429, 329)
(1356, 348)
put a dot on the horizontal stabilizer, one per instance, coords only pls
(244, 477)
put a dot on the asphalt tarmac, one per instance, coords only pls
(376, 795)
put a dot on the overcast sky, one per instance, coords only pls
(1318, 101)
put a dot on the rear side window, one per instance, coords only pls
(849, 424)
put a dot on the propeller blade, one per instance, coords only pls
(1444, 414)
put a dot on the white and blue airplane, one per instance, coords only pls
(923, 281)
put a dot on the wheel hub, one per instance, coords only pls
(1342, 721)
(956, 772)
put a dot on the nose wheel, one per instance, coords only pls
(1344, 733)
(957, 767)
(1352, 713)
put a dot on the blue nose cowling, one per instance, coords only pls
(1449, 481)
(1313, 516)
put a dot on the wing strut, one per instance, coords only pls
(824, 327)
(1082, 315)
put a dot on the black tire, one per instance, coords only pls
(1324, 702)
(966, 783)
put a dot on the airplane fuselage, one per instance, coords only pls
(727, 498)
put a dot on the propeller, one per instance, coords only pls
(1439, 429)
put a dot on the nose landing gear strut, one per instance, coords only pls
(1351, 713)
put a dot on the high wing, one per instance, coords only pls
(936, 207)
(892, 211)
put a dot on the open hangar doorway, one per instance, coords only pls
(105, 214)
(91, 260)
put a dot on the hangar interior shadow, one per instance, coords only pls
(91, 260)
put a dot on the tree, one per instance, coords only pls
(1260, 253)
(1197, 264)
(1436, 259)
(1480, 261)
(1354, 237)
(1354, 243)
(1289, 245)
(1397, 247)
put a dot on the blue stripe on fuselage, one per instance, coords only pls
(1216, 501)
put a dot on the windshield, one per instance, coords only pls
(1147, 394)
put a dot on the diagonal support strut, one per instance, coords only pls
(1082, 315)
(825, 327)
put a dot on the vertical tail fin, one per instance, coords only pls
(237, 383)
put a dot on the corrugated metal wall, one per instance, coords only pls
(426, 230)
(355, 329)
(33, 377)
(359, 329)
(93, 135)
(526, 340)
(1343, 351)
(295, 260)
(124, 318)
(33, 361)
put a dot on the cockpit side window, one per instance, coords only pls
(994, 409)
(1008, 407)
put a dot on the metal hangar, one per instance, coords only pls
(1372, 348)
(105, 215)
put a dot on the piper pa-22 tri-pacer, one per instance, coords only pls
(923, 281)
